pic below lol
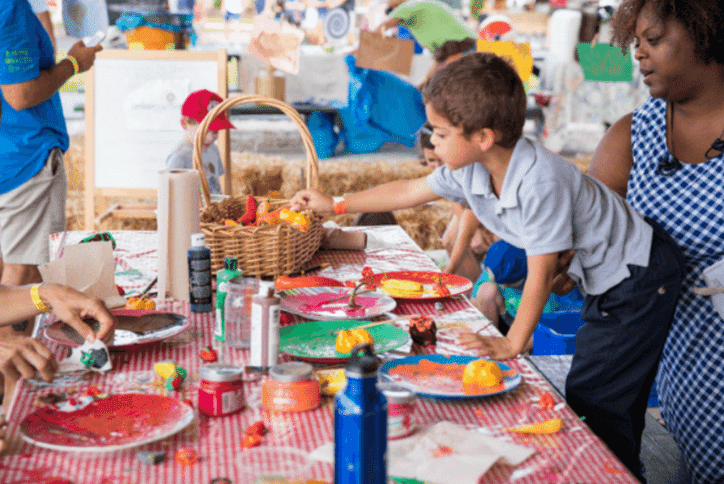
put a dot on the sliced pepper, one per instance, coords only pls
(545, 427)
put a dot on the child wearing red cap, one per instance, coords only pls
(193, 111)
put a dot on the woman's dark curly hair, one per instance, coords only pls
(703, 19)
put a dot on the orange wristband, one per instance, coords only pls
(340, 206)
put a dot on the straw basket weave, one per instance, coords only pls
(275, 250)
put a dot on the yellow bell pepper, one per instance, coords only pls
(545, 427)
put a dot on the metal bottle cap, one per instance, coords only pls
(291, 371)
(362, 365)
(220, 372)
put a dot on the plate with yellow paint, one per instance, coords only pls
(421, 284)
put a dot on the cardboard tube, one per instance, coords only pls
(178, 218)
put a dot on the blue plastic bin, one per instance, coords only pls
(556, 333)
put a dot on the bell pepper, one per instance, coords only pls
(250, 212)
(349, 338)
(284, 282)
(263, 208)
(271, 218)
(545, 427)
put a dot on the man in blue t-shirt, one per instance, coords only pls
(33, 137)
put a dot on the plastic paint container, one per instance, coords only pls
(221, 390)
(290, 387)
(401, 404)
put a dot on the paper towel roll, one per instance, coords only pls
(178, 218)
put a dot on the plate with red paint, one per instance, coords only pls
(332, 303)
(108, 424)
(441, 376)
(421, 284)
(135, 327)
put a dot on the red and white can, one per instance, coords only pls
(221, 390)
(401, 404)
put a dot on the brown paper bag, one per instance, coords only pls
(385, 53)
(88, 268)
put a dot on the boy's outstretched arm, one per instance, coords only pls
(537, 288)
(384, 198)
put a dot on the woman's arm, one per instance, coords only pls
(68, 304)
(613, 159)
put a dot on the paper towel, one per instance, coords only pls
(178, 218)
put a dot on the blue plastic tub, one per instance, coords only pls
(556, 333)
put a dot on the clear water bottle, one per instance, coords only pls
(360, 423)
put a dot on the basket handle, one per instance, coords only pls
(312, 160)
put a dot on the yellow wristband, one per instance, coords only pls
(73, 61)
(35, 296)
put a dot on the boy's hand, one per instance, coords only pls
(313, 199)
(495, 347)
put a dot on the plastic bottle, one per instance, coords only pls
(265, 308)
(360, 423)
(199, 257)
(222, 286)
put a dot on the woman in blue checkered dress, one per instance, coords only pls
(666, 159)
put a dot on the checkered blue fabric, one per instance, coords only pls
(690, 206)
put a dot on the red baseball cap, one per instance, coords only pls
(198, 104)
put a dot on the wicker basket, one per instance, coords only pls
(268, 251)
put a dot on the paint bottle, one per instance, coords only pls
(400, 410)
(221, 390)
(360, 423)
(265, 308)
(223, 277)
(290, 387)
(199, 258)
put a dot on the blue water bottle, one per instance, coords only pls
(360, 423)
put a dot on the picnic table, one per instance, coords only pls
(574, 454)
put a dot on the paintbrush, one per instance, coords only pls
(310, 269)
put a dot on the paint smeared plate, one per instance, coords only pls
(314, 303)
(417, 373)
(455, 284)
(117, 422)
(315, 341)
(135, 327)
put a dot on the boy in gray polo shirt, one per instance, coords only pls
(628, 267)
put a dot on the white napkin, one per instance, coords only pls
(446, 453)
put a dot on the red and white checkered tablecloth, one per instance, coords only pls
(573, 455)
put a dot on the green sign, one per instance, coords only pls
(601, 62)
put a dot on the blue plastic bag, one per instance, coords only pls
(324, 137)
(381, 108)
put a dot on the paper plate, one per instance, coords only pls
(135, 327)
(315, 340)
(428, 383)
(311, 303)
(454, 283)
(114, 423)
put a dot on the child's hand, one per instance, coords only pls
(313, 199)
(495, 347)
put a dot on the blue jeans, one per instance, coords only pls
(619, 347)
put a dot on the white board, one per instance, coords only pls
(133, 113)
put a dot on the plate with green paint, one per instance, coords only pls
(315, 341)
